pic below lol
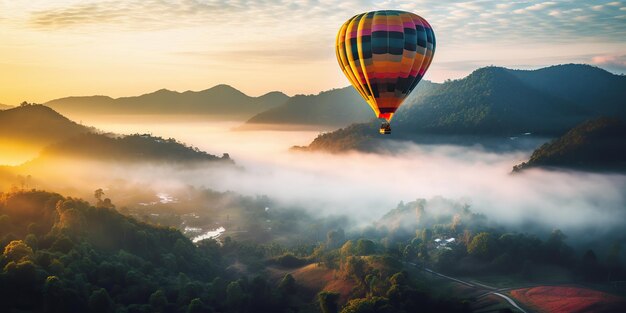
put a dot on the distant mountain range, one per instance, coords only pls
(599, 144)
(4, 106)
(220, 102)
(337, 107)
(274, 110)
(496, 102)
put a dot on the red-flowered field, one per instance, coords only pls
(569, 300)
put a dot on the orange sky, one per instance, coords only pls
(52, 49)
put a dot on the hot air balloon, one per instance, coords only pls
(385, 54)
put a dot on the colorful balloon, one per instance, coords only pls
(385, 54)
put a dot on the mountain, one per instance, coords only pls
(53, 135)
(592, 88)
(337, 107)
(221, 101)
(5, 107)
(495, 102)
(598, 144)
(137, 148)
(37, 124)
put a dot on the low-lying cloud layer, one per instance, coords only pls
(366, 186)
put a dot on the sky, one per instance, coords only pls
(51, 49)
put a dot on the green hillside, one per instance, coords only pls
(598, 144)
(495, 102)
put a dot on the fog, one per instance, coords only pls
(366, 186)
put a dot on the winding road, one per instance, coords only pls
(491, 290)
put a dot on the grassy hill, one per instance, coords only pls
(221, 101)
(496, 102)
(598, 144)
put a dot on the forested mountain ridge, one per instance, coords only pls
(64, 255)
(592, 88)
(56, 136)
(136, 147)
(37, 123)
(490, 101)
(598, 144)
(219, 101)
(497, 102)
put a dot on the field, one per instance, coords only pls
(315, 278)
(569, 300)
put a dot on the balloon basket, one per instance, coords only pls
(385, 129)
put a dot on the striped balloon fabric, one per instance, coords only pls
(385, 54)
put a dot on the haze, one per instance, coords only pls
(367, 186)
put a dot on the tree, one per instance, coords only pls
(71, 221)
(556, 250)
(328, 301)
(365, 247)
(347, 249)
(334, 238)
(32, 241)
(235, 296)
(287, 285)
(53, 295)
(375, 285)
(410, 252)
(18, 250)
(613, 262)
(356, 269)
(590, 267)
(98, 195)
(158, 301)
(427, 235)
(482, 246)
(368, 305)
(100, 301)
(399, 278)
(196, 306)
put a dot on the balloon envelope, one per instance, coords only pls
(385, 54)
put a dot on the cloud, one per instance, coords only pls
(366, 186)
(612, 62)
(286, 54)
(535, 7)
(133, 14)
(323, 16)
